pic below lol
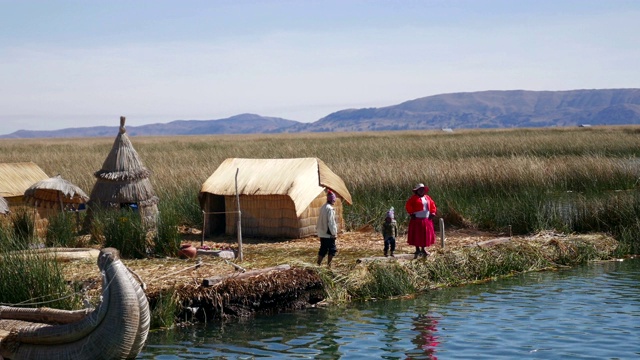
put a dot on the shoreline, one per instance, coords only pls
(279, 275)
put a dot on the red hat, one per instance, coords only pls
(331, 197)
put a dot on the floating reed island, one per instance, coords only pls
(545, 198)
(281, 275)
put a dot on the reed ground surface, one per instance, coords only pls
(161, 274)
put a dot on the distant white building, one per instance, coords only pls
(584, 125)
(450, 130)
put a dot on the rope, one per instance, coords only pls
(84, 290)
(197, 265)
(137, 277)
(237, 267)
(37, 303)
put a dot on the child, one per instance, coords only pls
(389, 232)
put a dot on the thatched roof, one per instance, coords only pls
(54, 192)
(15, 178)
(301, 179)
(4, 206)
(123, 178)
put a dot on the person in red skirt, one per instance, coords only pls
(421, 209)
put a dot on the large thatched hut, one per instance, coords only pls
(123, 181)
(278, 197)
(15, 178)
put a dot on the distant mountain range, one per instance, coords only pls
(483, 109)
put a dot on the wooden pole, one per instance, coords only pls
(239, 230)
(204, 227)
(61, 204)
(442, 232)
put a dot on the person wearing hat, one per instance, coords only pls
(327, 229)
(389, 232)
(421, 209)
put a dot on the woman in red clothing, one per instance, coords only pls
(421, 208)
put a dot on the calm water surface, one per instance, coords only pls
(591, 312)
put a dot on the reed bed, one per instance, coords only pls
(29, 278)
(490, 179)
(464, 265)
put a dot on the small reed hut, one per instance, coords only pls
(54, 195)
(16, 178)
(278, 197)
(123, 181)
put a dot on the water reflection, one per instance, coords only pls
(548, 315)
(426, 338)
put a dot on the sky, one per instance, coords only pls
(85, 63)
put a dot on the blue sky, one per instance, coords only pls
(85, 63)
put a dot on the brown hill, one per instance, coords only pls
(483, 109)
(491, 109)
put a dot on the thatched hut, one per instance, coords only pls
(53, 195)
(123, 181)
(15, 178)
(278, 197)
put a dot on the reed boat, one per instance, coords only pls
(116, 328)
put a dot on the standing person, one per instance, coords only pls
(327, 229)
(421, 209)
(389, 232)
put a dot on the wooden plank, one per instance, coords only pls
(225, 254)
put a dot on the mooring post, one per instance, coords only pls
(204, 227)
(239, 229)
(442, 232)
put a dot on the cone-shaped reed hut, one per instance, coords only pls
(123, 181)
(278, 197)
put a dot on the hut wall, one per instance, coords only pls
(309, 217)
(275, 216)
(43, 214)
(14, 201)
(264, 215)
(149, 215)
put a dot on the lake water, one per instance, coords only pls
(590, 312)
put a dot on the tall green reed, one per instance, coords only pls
(490, 179)
(32, 279)
(124, 230)
(167, 238)
(61, 231)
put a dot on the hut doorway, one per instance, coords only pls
(215, 217)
